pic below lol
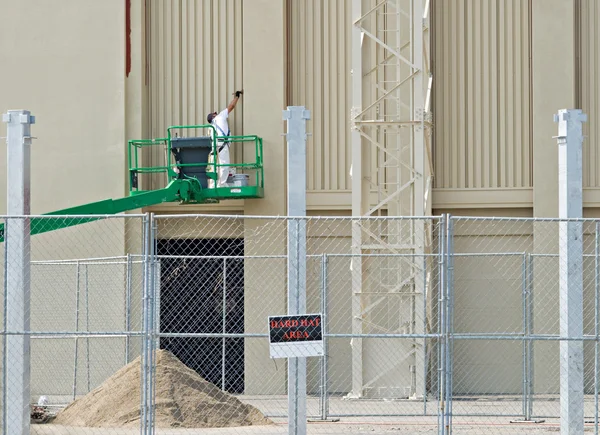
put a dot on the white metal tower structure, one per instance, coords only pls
(391, 176)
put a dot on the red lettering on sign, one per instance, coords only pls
(284, 324)
(310, 322)
(291, 335)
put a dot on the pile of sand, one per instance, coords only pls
(183, 399)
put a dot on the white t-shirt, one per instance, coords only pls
(221, 124)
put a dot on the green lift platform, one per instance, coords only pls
(187, 173)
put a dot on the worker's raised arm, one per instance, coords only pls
(236, 97)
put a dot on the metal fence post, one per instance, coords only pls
(4, 337)
(425, 343)
(17, 357)
(146, 340)
(76, 356)
(450, 320)
(297, 305)
(530, 348)
(324, 397)
(570, 241)
(87, 328)
(224, 327)
(152, 323)
(441, 327)
(596, 319)
(296, 117)
(525, 364)
(128, 307)
(527, 267)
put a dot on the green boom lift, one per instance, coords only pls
(189, 176)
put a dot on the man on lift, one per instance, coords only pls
(219, 120)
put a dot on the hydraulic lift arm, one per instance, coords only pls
(177, 190)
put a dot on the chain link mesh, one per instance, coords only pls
(84, 319)
(429, 324)
(506, 327)
(222, 277)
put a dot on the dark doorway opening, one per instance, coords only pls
(204, 295)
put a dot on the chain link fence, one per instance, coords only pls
(158, 324)
(82, 323)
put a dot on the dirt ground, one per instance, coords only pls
(408, 425)
(490, 419)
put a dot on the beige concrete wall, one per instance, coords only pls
(589, 87)
(553, 88)
(66, 63)
(482, 103)
(264, 64)
(195, 50)
(70, 72)
(319, 78)
(497, 83)
(488, 299)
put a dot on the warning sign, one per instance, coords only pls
(296, 336)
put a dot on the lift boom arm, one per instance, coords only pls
(177, 190)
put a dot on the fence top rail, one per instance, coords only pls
(558, 255)
(81, 260)
(76, 216)
(417, 254)
(521, 219)
(283, 256)
(279, 217)
(487, 254)
(221, 257)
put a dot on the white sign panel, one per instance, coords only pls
(296, 336)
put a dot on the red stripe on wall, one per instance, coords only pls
(128, 37)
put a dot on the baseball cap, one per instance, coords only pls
(210, 117)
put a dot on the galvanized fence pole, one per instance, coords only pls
(297, 305)
(76, 353)
(324, 396)
(4, 344)
(527, 317)
(425, 342)
(128, 307)
(530, 331)
(596, 319)
(527, 314)
(441, 328)
(17, 356)
(155, 299)
(87, 328)
(450, 320)
(524, 308)
(152, 323)
(570, 241)
(145, 400)
(530, 349)
(296, 117)
(224, 327)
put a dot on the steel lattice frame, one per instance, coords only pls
(391, 175)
